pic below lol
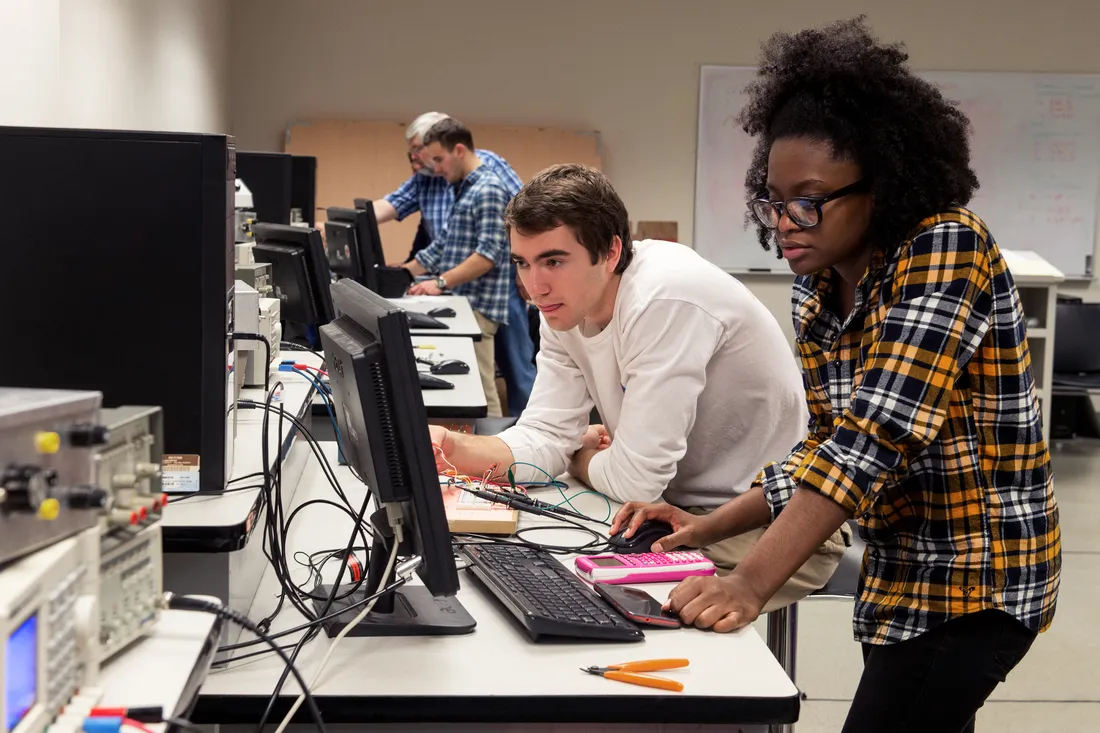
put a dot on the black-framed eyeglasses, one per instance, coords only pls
(805, 211)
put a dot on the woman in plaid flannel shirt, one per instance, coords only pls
(924, 422)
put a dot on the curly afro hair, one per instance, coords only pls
(839, 85)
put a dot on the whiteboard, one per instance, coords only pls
(1035, 146)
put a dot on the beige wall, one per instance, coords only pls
(628, 68)
(129, 64)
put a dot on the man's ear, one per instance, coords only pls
(615, 252)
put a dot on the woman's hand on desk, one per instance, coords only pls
(687, 528)
(709, 602)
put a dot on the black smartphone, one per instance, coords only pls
(637, 605)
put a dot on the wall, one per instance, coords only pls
(129, 64)
(628, 68)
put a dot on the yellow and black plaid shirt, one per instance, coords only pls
(924, 424)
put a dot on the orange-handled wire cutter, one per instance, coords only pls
(628, 672)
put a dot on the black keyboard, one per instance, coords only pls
(546, 598)
(423, 320)
(430, 381)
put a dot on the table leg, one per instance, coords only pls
(783, 640)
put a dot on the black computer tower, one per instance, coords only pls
(303, 187)
(117, 275)
(268, 176)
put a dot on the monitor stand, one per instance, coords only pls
(411, 610)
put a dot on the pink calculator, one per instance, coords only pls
(649, 567)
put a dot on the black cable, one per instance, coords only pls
(318, 571)
(314, 444)
(596, 546)
(257, 474)
(183, 603)
(556, 509)
(250, 655)
(593, 547)
(236, 336)
(273, 536)
(309, 624)
(356, 528)
(513, 502)
(313, 632)
(277, 557)
(524, 503)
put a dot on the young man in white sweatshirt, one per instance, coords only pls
(691, 374)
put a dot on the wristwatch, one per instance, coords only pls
(440, 282)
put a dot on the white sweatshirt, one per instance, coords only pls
(693, 378)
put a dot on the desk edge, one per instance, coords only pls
(663, 708)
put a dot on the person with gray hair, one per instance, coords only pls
(428, 193)
(433, 197)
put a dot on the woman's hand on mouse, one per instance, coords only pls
(686, 527)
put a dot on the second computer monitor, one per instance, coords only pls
(358, 251)
(389, 282)
(299, 271)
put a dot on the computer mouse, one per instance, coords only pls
(451, 366)
(444, 311)
(641, 541)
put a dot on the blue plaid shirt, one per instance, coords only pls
(476, 225)
(433, 197)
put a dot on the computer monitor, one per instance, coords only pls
(361, 254)
(299, 271)
(358, 251)
(384, 429)
(269, 178)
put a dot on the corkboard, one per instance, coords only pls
(668, 231)
(359, 159)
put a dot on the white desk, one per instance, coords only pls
(463, 323)
(166, 668)
(467, 399)
(495, 675)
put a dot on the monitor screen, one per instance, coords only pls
(20, 672)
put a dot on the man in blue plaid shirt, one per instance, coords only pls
(433, 197)
(470, 256)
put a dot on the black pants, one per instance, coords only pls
(938, 680)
